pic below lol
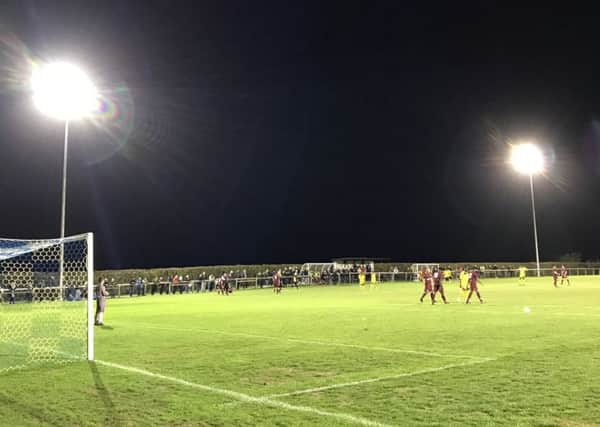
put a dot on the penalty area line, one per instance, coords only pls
(266, 401)
(378, 379)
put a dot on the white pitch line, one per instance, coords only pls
(316, 342)
(267, 401)
(378, 379)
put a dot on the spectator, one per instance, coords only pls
(12, 293)
(139, 285)
(153, 285)
(131, 287)
(175, 283)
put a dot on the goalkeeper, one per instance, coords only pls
(101, 294)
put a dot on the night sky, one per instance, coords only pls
(267, 132)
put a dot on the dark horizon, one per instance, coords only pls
(248, 133)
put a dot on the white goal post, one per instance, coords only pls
(418, 267)
(46, 301)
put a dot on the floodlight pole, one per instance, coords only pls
(64, 182)
(63, 208)
(535, 235)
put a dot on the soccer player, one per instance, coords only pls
(554, 276)
(427, 286)
(277, 282)
(522, 275)
(438, 285)
(463, 284)
(473, 287)
(221, 284)
(373, 281)
(447, 275)
(227, 288)
(564, 275)
(361, 277)
(101, 294)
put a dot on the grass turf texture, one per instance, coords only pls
(496, 364)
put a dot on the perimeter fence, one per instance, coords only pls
(336, 278)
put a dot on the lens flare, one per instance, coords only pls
(114, 117)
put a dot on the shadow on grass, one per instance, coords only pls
(110, 328)
(109, 406)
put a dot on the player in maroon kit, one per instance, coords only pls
(564, 275)
(277, 282)
(438, 285)
(428, 285)
(473, 287)
(219, 284)
(554, 276)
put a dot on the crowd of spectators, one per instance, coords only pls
(177, 283)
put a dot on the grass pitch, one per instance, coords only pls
(330, 356)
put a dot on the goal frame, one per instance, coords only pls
(89, 286)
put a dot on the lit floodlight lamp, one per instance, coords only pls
(63, 91)
(527, 159)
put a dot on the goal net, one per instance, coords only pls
(311, 272)
(46, 301)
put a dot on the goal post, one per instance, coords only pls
(419, 267)
(90, 296)
(46, 301)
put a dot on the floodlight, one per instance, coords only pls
(63, 91)
(527, 159)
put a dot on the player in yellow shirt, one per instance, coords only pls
(361, 277)
(522, 275)
(447, 275)
(373, 281)
(463, 283)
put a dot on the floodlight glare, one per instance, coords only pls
(63, 91)
(527, 159)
